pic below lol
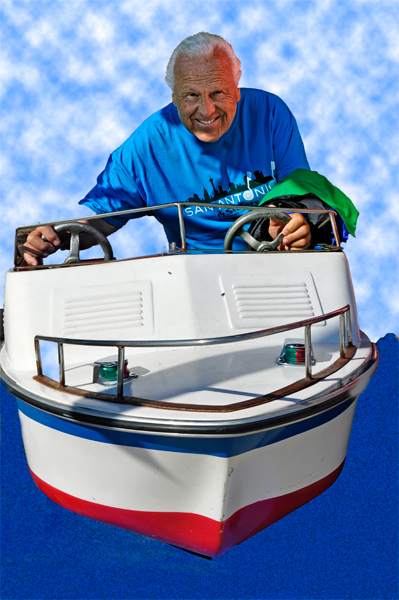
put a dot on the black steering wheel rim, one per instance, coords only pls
(75, 230)
(237, 229)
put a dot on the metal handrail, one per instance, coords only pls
(343, 313)
(20, 232)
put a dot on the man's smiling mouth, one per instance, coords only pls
(207, 122)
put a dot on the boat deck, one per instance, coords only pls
(217, 376)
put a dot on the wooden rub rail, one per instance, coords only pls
(346, 353)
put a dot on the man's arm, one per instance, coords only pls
(288, 149)
(36, 247)
(289, 154)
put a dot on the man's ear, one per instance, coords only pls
(173, 96)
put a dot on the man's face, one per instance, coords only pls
(206, 95)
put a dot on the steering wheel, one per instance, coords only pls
(76, 229)
(237, 229)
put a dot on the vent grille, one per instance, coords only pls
(104, 313)
(271, 301)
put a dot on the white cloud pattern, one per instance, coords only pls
(77, 77)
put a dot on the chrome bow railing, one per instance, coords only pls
(345, 331)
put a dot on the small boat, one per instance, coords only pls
(191, 397)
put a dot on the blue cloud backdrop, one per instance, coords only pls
(78, 77)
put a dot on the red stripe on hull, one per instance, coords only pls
(190, 531)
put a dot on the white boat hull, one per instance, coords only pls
(202, 493)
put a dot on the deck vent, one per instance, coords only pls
(269, 300)
(122, 310)
(102, 314)
(272, 301)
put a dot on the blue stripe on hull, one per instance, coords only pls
(221, 446)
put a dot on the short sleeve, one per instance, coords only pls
(288, 148)
(115, 190)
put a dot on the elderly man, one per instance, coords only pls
(215, 143)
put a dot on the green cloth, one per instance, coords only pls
(302, 182)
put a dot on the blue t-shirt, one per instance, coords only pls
(163, 162)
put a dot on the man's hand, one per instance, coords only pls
(296, 232)
(36, 247)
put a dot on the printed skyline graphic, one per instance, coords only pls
(245, 188)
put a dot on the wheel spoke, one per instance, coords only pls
(247, 237)
(74, 246)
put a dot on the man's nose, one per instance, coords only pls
(206, 106)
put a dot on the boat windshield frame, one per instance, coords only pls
(22, 232)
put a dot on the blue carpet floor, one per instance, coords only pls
(343, 544)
